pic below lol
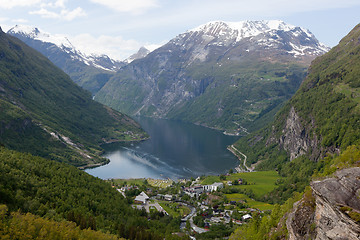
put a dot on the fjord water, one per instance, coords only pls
(175, 150)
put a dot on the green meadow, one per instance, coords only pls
(250, 202)
(260, 183)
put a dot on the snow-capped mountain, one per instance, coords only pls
(252, 36)
(223, 75)
(62, 42)
(90, 71)
(143, 52)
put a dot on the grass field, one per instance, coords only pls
(160, 183)
(132, 181)
(259, 182)
(210, 180)
(175, 209)
(252, 203)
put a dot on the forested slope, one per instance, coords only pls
(61, 192)
(45, 113)
(315, 140)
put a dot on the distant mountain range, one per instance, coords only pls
(229, 76)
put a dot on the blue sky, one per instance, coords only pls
(118, 28)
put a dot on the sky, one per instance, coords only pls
(119, 28)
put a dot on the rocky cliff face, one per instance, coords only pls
(336, 214)
(297, 139)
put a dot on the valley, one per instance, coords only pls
(229, 130)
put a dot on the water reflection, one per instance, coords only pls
(175, 150)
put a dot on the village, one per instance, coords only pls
(200, 207)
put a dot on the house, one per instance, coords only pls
(246, 217)
(141, 198)
(168, 197)
(194, 191)
(213, 187)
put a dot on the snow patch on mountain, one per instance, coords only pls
(242, 29)
(266, 33)
(100, 61)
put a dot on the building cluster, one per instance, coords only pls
(197, 190)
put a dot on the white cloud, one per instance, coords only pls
(132, 6)
(56, 4)
(70, 15)
(8, 4)
(115, 47)
(64, 14)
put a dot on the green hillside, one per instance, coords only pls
(61, 192)
(325, 122)
(37, 99)
(246, 95)
(322, 118)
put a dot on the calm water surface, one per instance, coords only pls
(175, 150)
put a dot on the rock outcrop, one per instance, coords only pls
(296, 138)
(337, 209)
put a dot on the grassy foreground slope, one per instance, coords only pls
(38, 99)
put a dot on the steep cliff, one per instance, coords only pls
(322, 117)
(336, 212)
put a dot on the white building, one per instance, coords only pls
(141, 198)
(213, 187)
(246, 217)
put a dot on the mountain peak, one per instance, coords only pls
(141, 53)
(260, 35)
(243, 29)
(37, 34)
(35, 37)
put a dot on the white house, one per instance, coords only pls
(213, 187)
(246, 217)
(168, 197)
(141, 198)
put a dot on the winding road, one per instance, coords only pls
(237, 152)
(190, 218)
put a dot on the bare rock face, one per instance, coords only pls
(337, 200)
(296, 139)
(332, 196)
(300, 221)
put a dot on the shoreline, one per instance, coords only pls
(94, 165)
(107, 161)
